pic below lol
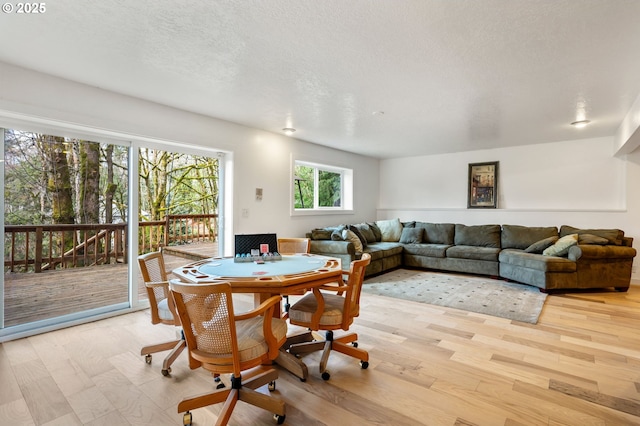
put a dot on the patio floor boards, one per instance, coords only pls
(31, 297)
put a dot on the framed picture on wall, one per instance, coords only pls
(483, 185)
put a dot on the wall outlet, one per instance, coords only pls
(245, 213)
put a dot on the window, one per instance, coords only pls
(321, 187)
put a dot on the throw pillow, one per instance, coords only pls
(411, 236)
(540, 246)
(376, 231)
(356, 231)
(592, 239)
(336, 235)
(562, 246)
(391, 230)
(366, 231)
(613, 235)
(349, 235)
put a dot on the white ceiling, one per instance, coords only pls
(449, 76)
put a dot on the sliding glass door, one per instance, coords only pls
(65, 227)
(78, 210)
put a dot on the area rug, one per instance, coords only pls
(517, 302)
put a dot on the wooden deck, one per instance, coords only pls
(32, 297)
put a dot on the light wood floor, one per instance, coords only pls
(580, 365)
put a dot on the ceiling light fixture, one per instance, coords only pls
(288, 131)
(580, 124)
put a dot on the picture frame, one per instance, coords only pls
(483, 185)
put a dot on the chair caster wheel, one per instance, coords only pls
(220, 385)
(364, 364)
(166, 372)
(272, 386)
(279, 418)
(326, 375)
(147, 358)
(354, 344)
(187, 419)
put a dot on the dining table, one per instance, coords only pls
(266, 276)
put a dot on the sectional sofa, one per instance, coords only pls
(546, 257)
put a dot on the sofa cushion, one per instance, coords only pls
(477, 235)
(348, 235)
(411, 236)
(366, 232)
(321, 234)
(521, 237)
(336, 235)
(427, 250)
(592, 239)
(536, 261)
(356, 231)
(391, 230)
(376, 230)
(613, 235)
(540, 246)
(382, 250)
(437, 233)
(561, 247)
(473, 253)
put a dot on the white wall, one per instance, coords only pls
(260, 159)
(578, 183)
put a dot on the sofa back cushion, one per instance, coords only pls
(366, 231)
(521, 237)
(391, 229)
(477, 235)
(613, 235)
(437, 233)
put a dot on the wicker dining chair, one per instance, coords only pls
(293, 246)
(162, 308)
(222, 342)
(332, 307)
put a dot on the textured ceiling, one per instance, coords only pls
(449, 76)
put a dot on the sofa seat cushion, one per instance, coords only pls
(473, 253)
(429, 250)
(381, 250)
(539, 262)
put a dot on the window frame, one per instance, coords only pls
(346, 188)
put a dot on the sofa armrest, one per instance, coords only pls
(601, 252)
(333, 247)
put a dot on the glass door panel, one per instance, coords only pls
(65, 227)
(177, 207)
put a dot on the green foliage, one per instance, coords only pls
(170, 183)
(329, 187)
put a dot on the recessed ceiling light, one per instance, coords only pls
(288, 131)
(580, 124)
(378, 112)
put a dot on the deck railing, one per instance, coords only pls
(37, 248)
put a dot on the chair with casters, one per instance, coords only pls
(293, 246)
(243, 345)
(162, 307)
(332, 307)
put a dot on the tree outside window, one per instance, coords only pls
(318, 187)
